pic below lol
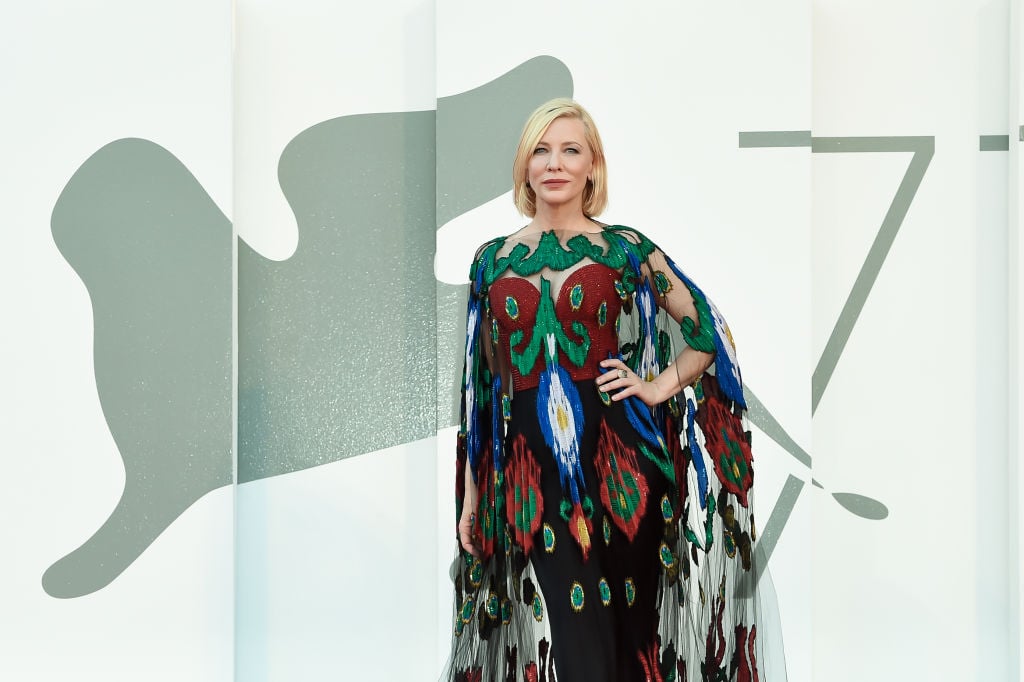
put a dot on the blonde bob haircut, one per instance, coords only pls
(595, 194)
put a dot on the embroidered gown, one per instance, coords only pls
(617, 539)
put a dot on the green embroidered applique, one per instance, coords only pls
(700, 337)
(549, 253)
(548, 327)
(662, 283)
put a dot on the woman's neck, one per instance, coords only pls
(566, 217)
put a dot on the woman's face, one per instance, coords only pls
(560, 164)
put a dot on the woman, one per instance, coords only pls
(603, 479)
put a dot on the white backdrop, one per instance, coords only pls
(921, 413)
(77, 77)
(915, 414)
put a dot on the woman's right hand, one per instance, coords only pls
(469, 534)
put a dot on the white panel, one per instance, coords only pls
(302, 63)
(78, 76)
(336, 561)
(335, 569)
(1015, 346)
(914, 414)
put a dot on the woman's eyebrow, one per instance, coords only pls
(543, 143)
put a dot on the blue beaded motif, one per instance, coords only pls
(576, 596)
(549, 539)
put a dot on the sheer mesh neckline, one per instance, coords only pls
(555, 274)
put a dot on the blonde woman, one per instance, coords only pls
(604, 473)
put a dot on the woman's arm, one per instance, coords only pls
(672, 295)
(467, 522)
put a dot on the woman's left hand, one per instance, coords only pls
(622, 382)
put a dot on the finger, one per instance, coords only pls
(612, 364)
(632, 389)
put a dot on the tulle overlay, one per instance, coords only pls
(617, 540)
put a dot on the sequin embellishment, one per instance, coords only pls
(665, 554)
(476, 573)
(630, 591)
(602, 314)
(576, 297)
(666, 509)
(467, 610)
(538, 608)
(492, 606)
(549, 539)
(576, 597)
(512, 307)
(607, 530)
(506, 611)
(620, 290)
(605, 591)
(730, 544)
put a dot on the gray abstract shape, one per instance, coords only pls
(478, 131)
(769, 537)
(477, 135)
(859, 505)
(154, 252)
(774, 138)
(864, 507)
(994, 143)
(336, 344)
(337, 352)
(451, 341)
(339, 345)
(759, 415)
(923, 149)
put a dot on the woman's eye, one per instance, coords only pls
(572, 150)
(539, 150)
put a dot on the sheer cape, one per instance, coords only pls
(708, 606)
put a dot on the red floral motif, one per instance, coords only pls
(726, 442)
(714, 652)
(623, 487)
(744, 661)
(546, 664)
(597, 283)
(470, 675)
(524, 503)
(649, 661)
(530, 672)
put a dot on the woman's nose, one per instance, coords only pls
(554, 161)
